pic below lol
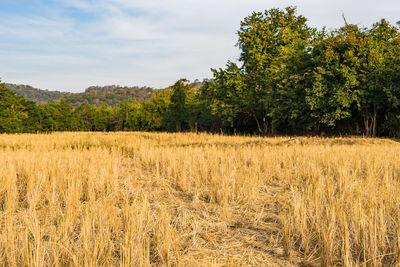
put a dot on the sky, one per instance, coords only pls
(69, 45)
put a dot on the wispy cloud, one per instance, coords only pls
(72, 44)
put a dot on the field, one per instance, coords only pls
(141, 199)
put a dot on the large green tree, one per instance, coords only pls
(275, 49)
(268, 86)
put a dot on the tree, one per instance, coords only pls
(335, 85)
(224, 96)
(274, 47)
(177, 115)
(380, 82)
(268, 87)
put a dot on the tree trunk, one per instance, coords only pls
(126, 119)
(40, 123)
(374, 123)
(265, 125)
(367, 128)
(258, 123)
(178, 126)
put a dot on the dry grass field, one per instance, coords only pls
(157, 199)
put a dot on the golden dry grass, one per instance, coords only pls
(141, 199)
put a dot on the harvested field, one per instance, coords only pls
(158, 199)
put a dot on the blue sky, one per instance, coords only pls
(69, 45)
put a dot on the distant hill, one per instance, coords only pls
(37, 95)
(112, 95)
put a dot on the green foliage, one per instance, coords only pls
(335, 85)
(381, 79)
(354, 75)
(16, 113)
(112, 95)
(145, 115)
(226, 95)
(36, 95)
(268, 87)
(177, 115)
(295, 80)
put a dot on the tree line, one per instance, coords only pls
(290, 79)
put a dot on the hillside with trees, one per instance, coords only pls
(112, 95)
(291, 79)
(38, 96)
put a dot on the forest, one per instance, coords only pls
(290, 79)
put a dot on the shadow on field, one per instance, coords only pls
(301, 141)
